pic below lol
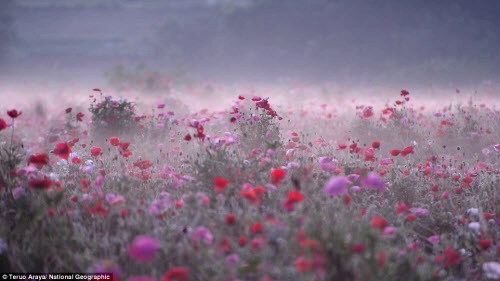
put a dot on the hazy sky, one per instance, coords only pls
(376, 41)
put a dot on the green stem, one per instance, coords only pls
(12, 135)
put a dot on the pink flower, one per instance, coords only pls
(202, 233)
(144, 248)
(445, 195)
(336, 186)
(497, 147)
(419, 211)
(433, 239)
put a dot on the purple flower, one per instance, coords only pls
(327, 167)
(202, 233)
(353, 177)
(373, 181)
(232, 259)
(336, 186)
(143, 248)
(107, 266)
(18, 192)
(325, 159)
(161, 105)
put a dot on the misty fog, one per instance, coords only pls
(377, 43)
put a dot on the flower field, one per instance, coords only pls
(261, 184)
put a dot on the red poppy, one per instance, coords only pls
(187, 137)
(488, 216)
(410, 217)
(68, 110)
(404, 93)
(407, 150)
(176, 274)
(253, 194)
(378, 222)
(126, 153)
(242, 240)
(294, 196)
(394, 152)
(376, 144)
(96, 90)
(3, 125)
(368, 112)
(39, 160)
(381, 259)
(347, 199)
(484, 243)
(199, 132)
(369, 154)
(124, 145)
(259, 191)
(114, 141)
(401, 207)
(95, 151)
(220, 183)
(13, 113)
(62, 150)
(256, 227)
(358, 248)
(451, 257)
(143, 165)
(277, 175)
(302, 264)
(97, 209)
(230, 219)
(79, 116)
(44, 183)
(224, 245)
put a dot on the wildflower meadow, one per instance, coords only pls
(262, 184)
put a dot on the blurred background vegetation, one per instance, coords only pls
(376, 41)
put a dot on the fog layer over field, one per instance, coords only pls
(444, 44)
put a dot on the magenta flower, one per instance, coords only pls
(419, 211)
(144, 248)
(373, 181)
(336, 186)
(202, 233)
(433, 239)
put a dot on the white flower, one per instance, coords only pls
(474, 226)
(54, 176)
(73, 155)
(473, 211)
(492, 270)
